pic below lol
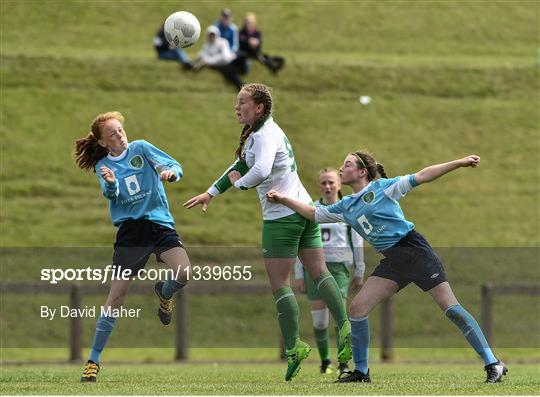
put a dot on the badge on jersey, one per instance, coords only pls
(136, 162)
(368, 197)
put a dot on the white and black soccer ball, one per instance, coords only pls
(182, 29)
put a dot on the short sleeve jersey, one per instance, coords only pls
(374, 212)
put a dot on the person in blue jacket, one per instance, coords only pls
(131, 176)
(374, 212)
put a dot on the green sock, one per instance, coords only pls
(287, 308)
(321, 337)
(337, 337)
(329, 290)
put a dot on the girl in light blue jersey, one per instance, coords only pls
(131, 177)
(374, 212)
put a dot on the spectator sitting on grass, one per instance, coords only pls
(217, 54)
(227, 29)
(251, 40)
(169, 53)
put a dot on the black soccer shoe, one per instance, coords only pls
(353, 376)
(165, 305)
(495, 371)
(90, 372)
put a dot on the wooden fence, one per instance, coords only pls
(76, 293)
(489, 291)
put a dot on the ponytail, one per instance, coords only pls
(366, 160)
(88, 152)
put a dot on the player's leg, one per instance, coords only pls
(104, 327)
(178, 261)
(319, 317)
(280, 246)
(312, 257)
(444, 297)
(375, 290)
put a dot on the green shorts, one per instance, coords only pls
(282, 237)
(341, 273)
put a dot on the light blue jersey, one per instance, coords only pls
(137, 192)
(374, 211)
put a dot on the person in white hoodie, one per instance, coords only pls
(216, 53)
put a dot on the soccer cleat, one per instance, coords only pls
(326, 368)
(353, 376)
(165, 305)
(343, 367)
(345, 350)
(495, 371)
(90, 372)
(299, 352)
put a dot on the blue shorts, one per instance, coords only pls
(411, 260)
(137, 239)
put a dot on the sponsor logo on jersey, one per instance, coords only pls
(136, 162)
(132, 185)
(368, 197)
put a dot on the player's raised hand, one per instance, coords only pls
(203, 199)
(167, 175)
(107, 174)
(273, 196)
(470, 161)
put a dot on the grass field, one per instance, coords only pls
(255, 379)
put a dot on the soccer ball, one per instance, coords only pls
(182, 29)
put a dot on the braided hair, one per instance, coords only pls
(259, 93)
(367, 161)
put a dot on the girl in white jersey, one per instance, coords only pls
(374, 212)
(343, 253)
(265, 160)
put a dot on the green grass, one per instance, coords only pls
(241, 379)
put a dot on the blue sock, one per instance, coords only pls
(103, 330)
(472, 332)
(360, 342)
(170, 287)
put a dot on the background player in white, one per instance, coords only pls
(265, 160)
(374, 212)
(343, 254)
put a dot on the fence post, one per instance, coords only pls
(181, 325)
(75, 324)
(486, 318)
(386, 330)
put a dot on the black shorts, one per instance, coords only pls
(411, 260)
(137, 239)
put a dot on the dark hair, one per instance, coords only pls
(366, 160)
(259, 93)
(330, 169)
(88, 151)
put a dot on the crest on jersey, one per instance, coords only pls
(368, 197)
(136, 162)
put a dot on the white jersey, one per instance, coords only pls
(270, 158)
(340, 244)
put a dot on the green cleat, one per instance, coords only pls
(345, 350)
(299, 352)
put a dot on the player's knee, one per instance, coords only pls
(359, 309)
(320, 318)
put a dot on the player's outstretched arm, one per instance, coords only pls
(433, 172)
(203, 199)
(306, 210)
